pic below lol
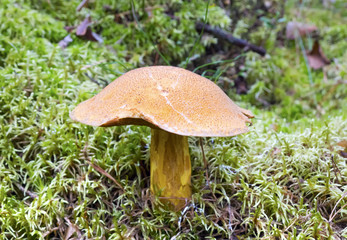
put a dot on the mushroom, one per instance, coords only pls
(175, 103)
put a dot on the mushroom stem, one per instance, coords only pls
(170, 167)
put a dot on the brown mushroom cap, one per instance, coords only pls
(169, 98)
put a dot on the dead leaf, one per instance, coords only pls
(65, 42)
(83, 4)
(297, 29)
(342, 143)
(316, 58)
(71, 230)
(343, 154)
(84, 30)
(96, 37)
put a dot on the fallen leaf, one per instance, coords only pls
(297, 29)
(83, 4)
(72, 229)
(343, 154)
(96, 37)
(84, 30)
(316, 58)
(342, 143)
(65, 42)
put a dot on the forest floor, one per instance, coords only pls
(284, 179)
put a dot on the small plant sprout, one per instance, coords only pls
(175, 103)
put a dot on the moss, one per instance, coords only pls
(283, 179)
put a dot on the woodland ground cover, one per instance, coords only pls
(285, 179)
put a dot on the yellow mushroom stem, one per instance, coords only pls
(170, 167)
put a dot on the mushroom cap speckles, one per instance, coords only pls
(169, 98)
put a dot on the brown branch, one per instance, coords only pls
(332, 216)
(99, 169)
(26, 192)
(220, 33)
(206, 168)
(105, 83)
(204, 158)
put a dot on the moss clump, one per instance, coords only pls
(285, 179)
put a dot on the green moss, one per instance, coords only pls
(283, 179)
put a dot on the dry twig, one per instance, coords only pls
(99, 169)
(26, 192)
(332, 216)
(220, 33)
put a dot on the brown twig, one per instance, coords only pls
(220, 33)
(92, 79)
(105, 83)
(99, 169)
(332, 216)
(205, 162)
(206, 168)
(26, 192)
